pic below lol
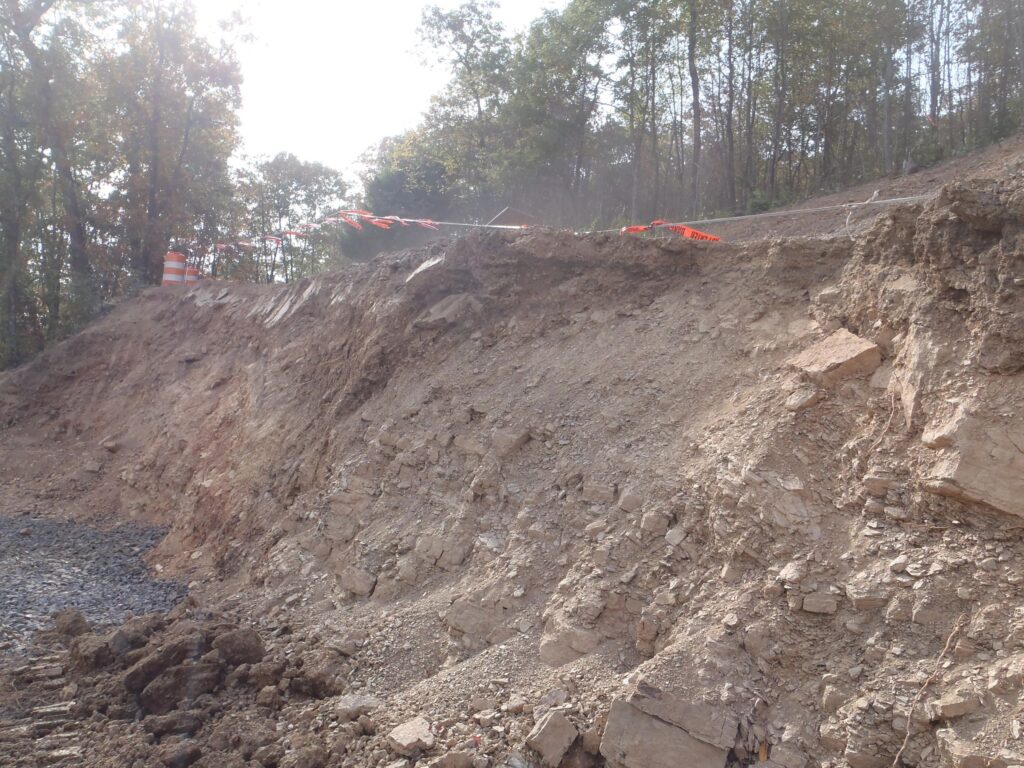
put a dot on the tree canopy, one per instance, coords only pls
(612, 111)
(119, 131)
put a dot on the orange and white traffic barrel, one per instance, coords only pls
(191, 277)
(174, 268)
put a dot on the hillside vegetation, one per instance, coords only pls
(118, 122)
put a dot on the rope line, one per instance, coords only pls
(776, 214)
(353, 218)
(464, 224)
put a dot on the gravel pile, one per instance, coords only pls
(47, 565)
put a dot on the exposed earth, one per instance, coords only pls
(538, 499)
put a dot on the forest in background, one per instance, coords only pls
(119, 135)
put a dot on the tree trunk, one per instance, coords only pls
(780, 100)
(887, 113)
(154, 240)
(10, 235)
(9, 341)
(730, 138)
(652, 91)
(936, 21)
(1020, 43)
(695, 88)
(908, 90)
(85, 298)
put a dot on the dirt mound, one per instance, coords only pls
(578, 500)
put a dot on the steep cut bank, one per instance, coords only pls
(555, 500)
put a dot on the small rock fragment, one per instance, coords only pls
(411, 737)
(820, 602)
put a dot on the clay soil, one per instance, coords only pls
(542, 499)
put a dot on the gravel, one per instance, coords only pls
(47, 565)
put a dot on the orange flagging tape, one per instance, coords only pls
(693, 234)
(679, 229)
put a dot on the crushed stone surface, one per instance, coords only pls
(49, 565)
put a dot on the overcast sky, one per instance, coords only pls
(326, 79)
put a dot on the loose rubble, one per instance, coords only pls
(533, 499)
(48, 565)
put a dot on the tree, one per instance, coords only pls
(118, 121)
(173, 97)
(116, 129)
(277, 197)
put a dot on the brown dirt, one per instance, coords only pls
(550, 473)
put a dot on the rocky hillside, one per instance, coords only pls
(539, 499)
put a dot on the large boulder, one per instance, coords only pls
(70, 623)
(654, 729)
(839, 356)
(634, 739)
(551, 737)
(179, 754)
(357, 581)
(175, 722)
(448, 311)
(479, 624)
(354, 706)
(240, 646)
(324, 673)
(981, 459)
(89, 653)
(175, 651)
(178, 685)
(411, 737)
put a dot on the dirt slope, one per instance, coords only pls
(991, 162)
(574, 500)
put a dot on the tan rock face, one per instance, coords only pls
(634, 739)
(984, 463)
(837, 357)
(551, 737)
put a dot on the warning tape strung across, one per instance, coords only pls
(680, 229)
(775, 214)
(356, 219)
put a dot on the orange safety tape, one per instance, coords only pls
(679, 229)
(690, 232)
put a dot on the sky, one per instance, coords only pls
(328, 79)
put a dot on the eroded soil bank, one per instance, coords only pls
(538, 499)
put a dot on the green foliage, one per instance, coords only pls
(118, 121)
(117, 124)
(612, 110)
(276, 196)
